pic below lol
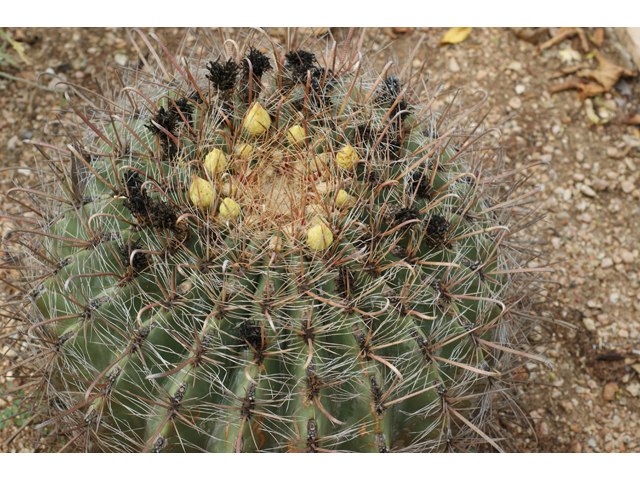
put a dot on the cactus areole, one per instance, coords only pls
(261, 249)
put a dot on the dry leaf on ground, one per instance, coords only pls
(608, 73)
(587, 89)
(569, 70)
(531, 35)
(632, 120)
(598, 37)
(456, 35)
(563, 34)
(397, 32)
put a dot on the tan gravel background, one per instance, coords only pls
(591, 400)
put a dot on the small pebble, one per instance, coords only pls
(606, 263)
(589, 324)
(600, 185)
(544, 429)
(588, 191)
(121, 59)
(520, 89)
(453, 65)
(515, 103)
(627, 186)
(13, 142)
(515, 66)
(634, 389)
(609, 393)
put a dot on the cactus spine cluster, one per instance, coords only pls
(251, 248)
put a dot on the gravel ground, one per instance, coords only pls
(591, 400)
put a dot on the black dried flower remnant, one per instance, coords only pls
(182, 110)
(140, 260)
(436, 230)
(223, 75)
(165, 121)
(260, 64)
(398, 215)
(390, 90)
(420, 184)
(298, 64)
(150, 212)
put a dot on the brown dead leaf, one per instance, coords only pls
(402, 30)
(563, 34)
(586, 89)
(598, 37)
(456, 35)
(632, 120)
(531, 35)
(569, 70)
(608, 73)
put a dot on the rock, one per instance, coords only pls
(453, 65)
(25, 135)
(588, 191)
(626, 256)
(627, 186)
(600, 184)
(121, 59)
(606, 263)
(591, 442)
(612, 152)
(13, 142)
(589, 324)
(567, 406)
(609, 393)
(543, 429)
(520, 89)
(515, 66)
(515, 103)
(634, 389)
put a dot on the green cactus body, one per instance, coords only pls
(297, 324)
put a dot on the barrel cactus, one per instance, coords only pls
(255, 248)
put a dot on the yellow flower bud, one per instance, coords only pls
(319, 237)
(215, 161)
(343, 199)
(201, 192)
(295, 135)
(346, 157)
(243, 150)
(257, 120)
(229, 209)
(319, 220)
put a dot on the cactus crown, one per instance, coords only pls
(261, 249)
